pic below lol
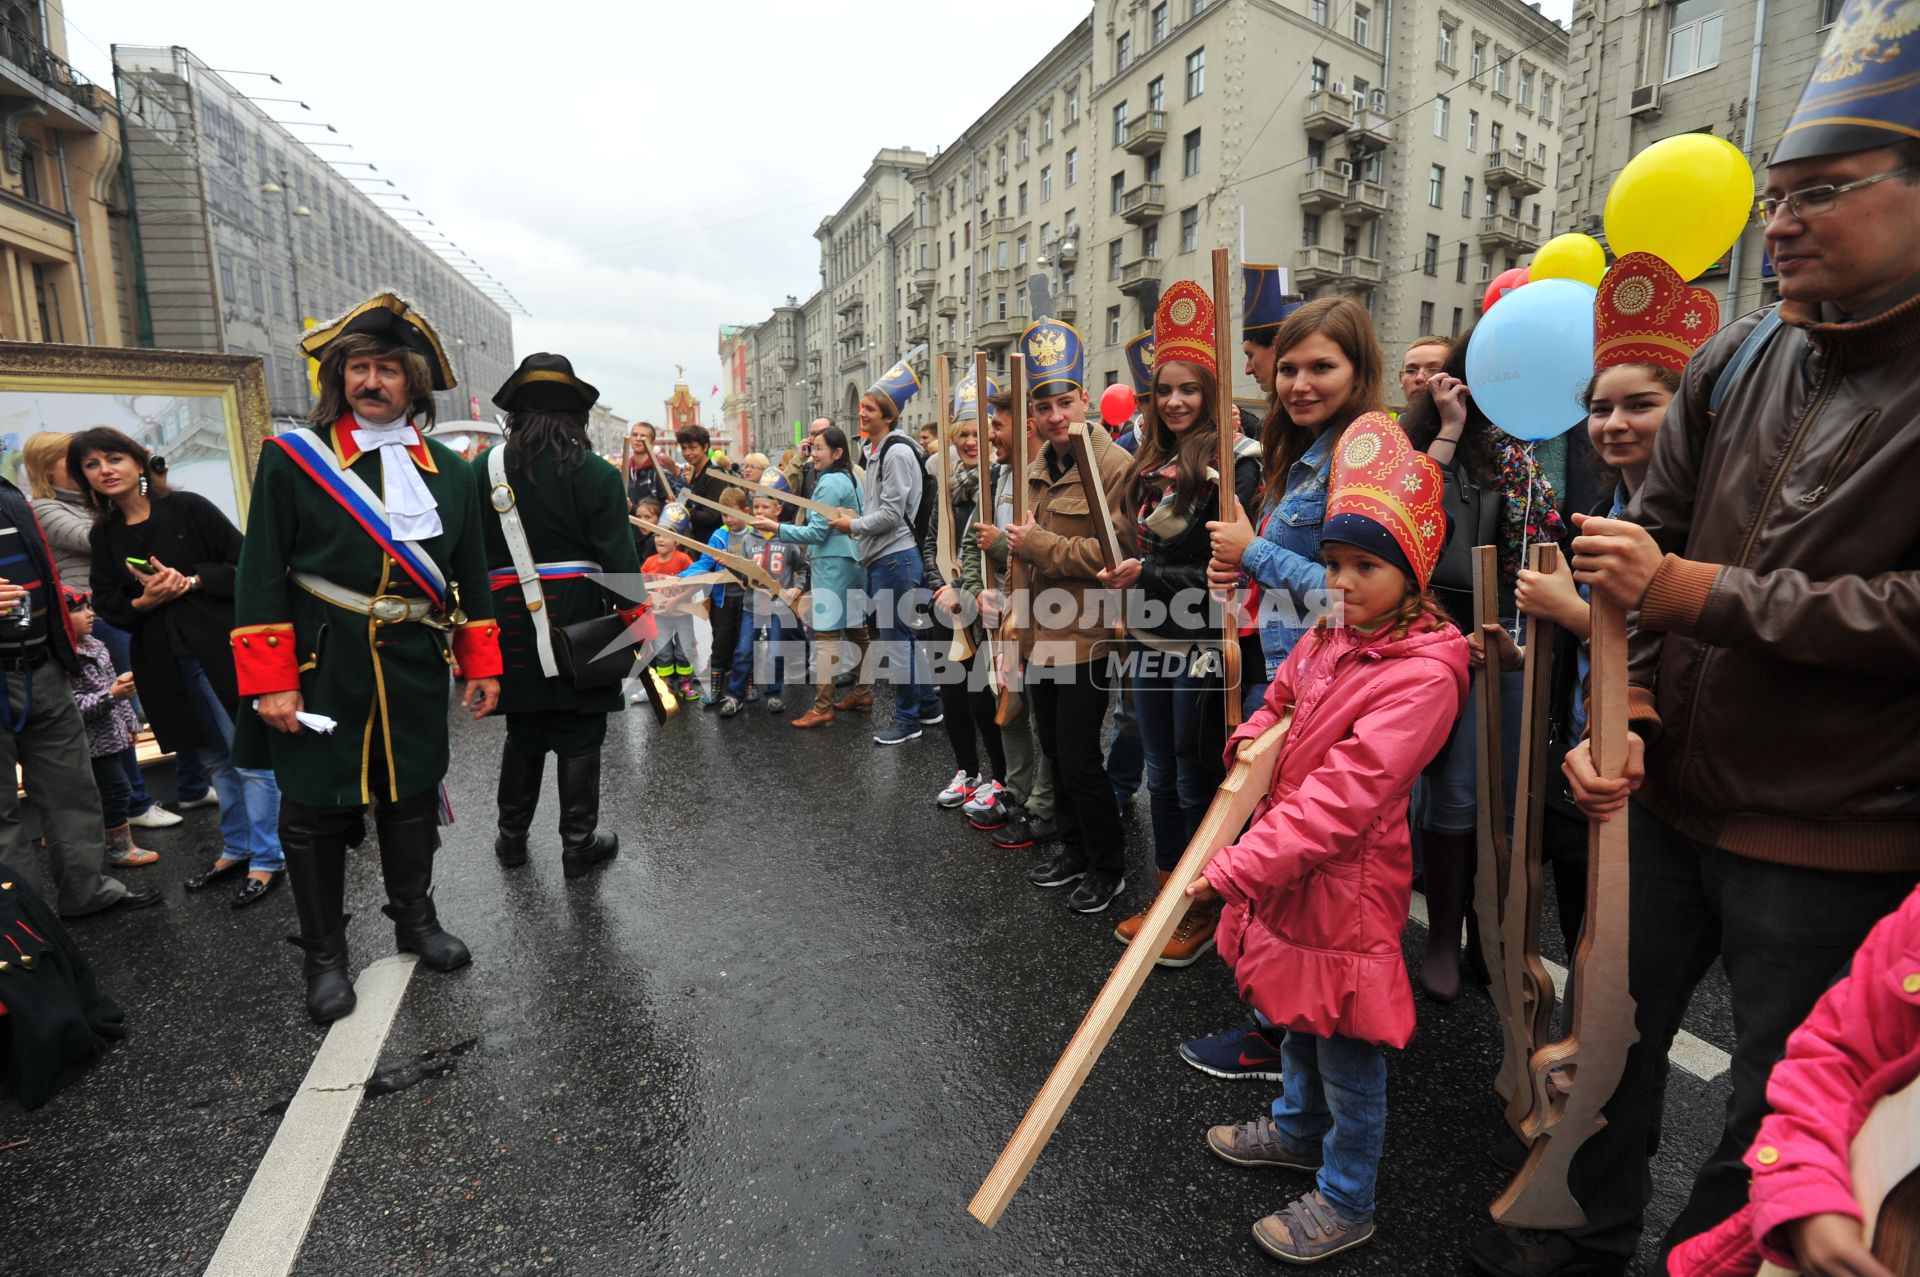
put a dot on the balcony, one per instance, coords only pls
(1328, 115)
(917, 332)
(1146, 134)
(997, 332)
(1365, 200)
(947, 305)
(1066, 250)
(1316, 265)
(1512, 169)
(1146, 202)
(1065, 306)
(29, 68)
(1361, 270)
(923, 280)
(1502, 231)
(998, 226)
(1371, 129)
(1322, 189)
(1138, 274)
(850, 306)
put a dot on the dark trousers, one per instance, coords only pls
(110, 775)
(1782, 933)
(1069, 705)
(968, 707)
(725, 620)
(560, 732)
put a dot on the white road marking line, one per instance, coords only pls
(264, 1237)
(1701, 1058)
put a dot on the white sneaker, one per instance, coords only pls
(959, 791)
(208, 799)
(156, 817)
(984, 797)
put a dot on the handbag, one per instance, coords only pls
(1473, 516)
(594, 653)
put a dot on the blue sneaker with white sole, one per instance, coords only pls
(1245, 1051)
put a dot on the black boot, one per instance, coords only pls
(580, 847)
(408, 831)
(519, 795)
(1449, 878)
(317, 870)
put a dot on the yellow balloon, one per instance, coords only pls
(1573, 256)
(1684, 199)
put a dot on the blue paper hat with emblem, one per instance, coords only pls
(1267, 306)
(966, 397)
(774, 479)
(1140, 362)
(1864, 92)
(900, 383)
(1056, 358)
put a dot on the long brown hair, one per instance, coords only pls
(1190, 454)
(1346, 323)
(333, 403)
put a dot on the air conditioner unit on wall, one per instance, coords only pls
(1380, 100)
(1645, 100)
(1339, 88)
(1343, 167)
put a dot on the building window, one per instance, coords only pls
(227, 289)
(256, 286)
(1309, 230)
(1114, 252)
(1362, 26)
(1157, 93)
(1500, 75)
(1426, 317)
(1122, 51)
(1430, 265)
(1447, 34)
(1159, 22)
(1073, 165)
(1490, 203)
(1153, 167)
(1317, 10)
(1536, 217)
(1022, 202)
(1546, 97)
(1120, 124)
(1493, 137)
(1473, 130)
(1190, 154)
(1466, 197)
(1000, 160)
(1316, 153)
(1073, 105)
(1113, 325)
(1199, 7)
(1479, 62)
(1320, 72)
(1693, 36)
(1830, 12)
(999, 208)
(1526, 88)
(1486, 268)
(1046, 182)
(1436, 184)
(1026, 146)
(1119, 190)
(1196, 73)
(1350, 241)
(1150, 240)
(1046, 125)
(1442, 109)
(1460, 267)
(1189, 229)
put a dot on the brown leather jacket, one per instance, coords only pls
(1776, 657)
(1063, 556)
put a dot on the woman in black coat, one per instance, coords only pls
(163, 570)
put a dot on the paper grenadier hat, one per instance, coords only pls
(1140, 362)
(1384, 497)
(1183, 328)
(966, 396)
(1865, 90)
(675, 517)
(772, 478)
(545, 383)
(1265, 305)
(392, 318)
(1056, 358)
(1645, 313)
(900, 383)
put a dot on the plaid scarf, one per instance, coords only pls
(1531, 510)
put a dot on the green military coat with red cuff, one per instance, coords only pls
(387, 686)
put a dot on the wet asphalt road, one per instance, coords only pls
(787, 1031)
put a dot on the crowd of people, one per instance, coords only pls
(1027, 577)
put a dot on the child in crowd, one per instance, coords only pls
(648, 508)
(764, 619)
(676, 650)
(1315, 892)
(105, 702)
(724, 612)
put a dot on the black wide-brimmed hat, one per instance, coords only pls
(545, 383)
(392, 318)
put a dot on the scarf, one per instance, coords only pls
(1531, 510)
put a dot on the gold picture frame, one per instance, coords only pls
(206, 413)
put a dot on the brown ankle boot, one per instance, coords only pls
(1193, 937)
(814, 718)
(1130, 927)
(857, 699)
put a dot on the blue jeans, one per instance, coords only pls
(752, 627)
(1336, 1101)
(890, 580)
(1124, 757)
(1180, 782)
(249, 798)
(119, 645)
(1451, 805)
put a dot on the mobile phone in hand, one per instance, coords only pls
(142, 566)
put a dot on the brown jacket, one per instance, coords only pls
(1776, 658)
(1063, 555)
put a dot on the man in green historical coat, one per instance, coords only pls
(557, 537)
(363, 576)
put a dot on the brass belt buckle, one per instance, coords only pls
(388, 609)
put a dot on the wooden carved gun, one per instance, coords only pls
(1014, 619)
(1490, 803)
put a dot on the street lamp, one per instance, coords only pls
(291, 211)
(295, 101)
(311, 124)
(268, 74)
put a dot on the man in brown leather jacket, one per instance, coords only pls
(1773, 556)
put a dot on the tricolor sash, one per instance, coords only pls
(316, 458)
(572, 569)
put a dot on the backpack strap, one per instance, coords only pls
(1749, 350)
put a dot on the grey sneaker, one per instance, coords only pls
(729, 706)
(1309, 1230)
(1259, 1143)
(897, 734)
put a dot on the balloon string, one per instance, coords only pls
(1526, 533)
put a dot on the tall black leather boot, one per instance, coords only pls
(519, 795)
(408, 831)
(316, 854)
(580, 847)
(1450, 861)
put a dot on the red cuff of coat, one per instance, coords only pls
(1677, 595)
(266, 659)
(476, 649)
(640, 623)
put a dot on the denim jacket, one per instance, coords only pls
(1285, 557)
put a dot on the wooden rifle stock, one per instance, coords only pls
(1490, 804)
(1013, 621)
(1224, 424)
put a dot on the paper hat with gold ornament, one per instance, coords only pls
(966, 396)
(1183, 328)
(1384, 497)
(900, 383)
(1864, 92)
(1645, 313)
(393, 319)
(1266, 305)
(1140, 363)
(1056, 358)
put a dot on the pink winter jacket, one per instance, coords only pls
(1316, 890)
(1860, 1042)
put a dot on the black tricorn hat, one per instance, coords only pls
(545, 383)
(391, 317)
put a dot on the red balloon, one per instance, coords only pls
(1117, 403)
(1503, 283)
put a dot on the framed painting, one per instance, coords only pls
(206, 414)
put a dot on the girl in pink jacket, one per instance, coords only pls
(1315, 892)
(1861, 1042)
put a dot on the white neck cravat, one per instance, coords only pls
(411, 510)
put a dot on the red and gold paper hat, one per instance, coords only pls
(1646, 314)
(1183, 328)
(1384, 497)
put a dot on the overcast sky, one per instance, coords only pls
(636, 173)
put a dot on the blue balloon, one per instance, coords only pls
(1531, 358)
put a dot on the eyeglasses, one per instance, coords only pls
(1817, 201)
